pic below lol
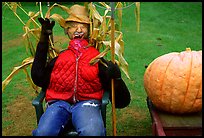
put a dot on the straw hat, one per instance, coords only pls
(78, 13)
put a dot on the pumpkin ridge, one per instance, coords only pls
(164, 79)
(196, 97)
(188, 81)
(149, 69)
(200, 86)
(169, 107)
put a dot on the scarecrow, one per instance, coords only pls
(74, 87)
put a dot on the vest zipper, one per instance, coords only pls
(75, 82)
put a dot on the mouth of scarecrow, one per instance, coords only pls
(78, 35)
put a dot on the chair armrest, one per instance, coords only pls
(37, 103)
(39, 99)
(105, 101)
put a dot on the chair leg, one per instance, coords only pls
(39, 111)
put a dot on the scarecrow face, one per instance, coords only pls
(78, 30)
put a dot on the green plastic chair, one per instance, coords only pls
(69, 130)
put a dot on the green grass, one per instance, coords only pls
(165, 27)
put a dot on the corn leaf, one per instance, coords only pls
(105, 5)
(32, 16)
(95, 12)
(119, 52)
(59, 19)
(30, 59)
(98, 57)
(26, 62)
(13, 6)
(119, 6)
(28, 43)
(137, 15)
(95, 34)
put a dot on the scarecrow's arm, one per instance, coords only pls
(122, 94)
(39, 69)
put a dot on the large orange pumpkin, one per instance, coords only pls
(173, 82)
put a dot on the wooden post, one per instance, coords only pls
(138, 15)
(113, 60)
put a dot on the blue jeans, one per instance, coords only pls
(86, 118)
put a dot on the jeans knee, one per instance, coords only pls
(44, 132)
(92, 131)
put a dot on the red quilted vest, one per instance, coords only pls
(73, 78)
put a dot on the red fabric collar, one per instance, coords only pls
(78, 45)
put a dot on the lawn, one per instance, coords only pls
(164, 27)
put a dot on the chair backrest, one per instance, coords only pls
(69, 131)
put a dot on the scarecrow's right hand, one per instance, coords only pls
(47, 26)
(112, 69)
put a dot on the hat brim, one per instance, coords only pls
(80, 19)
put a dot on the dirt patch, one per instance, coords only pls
(12, 43)
(22, 114)
(135, 115)
(60, 41)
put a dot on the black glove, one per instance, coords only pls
(122, 94)
(47, 27)
(113, 70)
